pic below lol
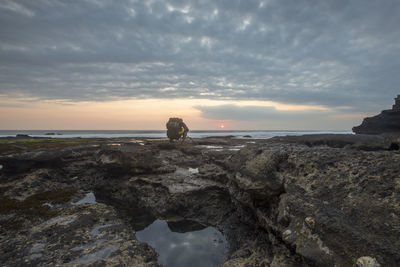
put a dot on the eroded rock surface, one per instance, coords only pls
(289, 201)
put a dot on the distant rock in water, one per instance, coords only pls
(23, 136)
(386, 122)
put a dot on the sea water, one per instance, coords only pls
(156, 134)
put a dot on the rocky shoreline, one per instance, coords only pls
(317, 200)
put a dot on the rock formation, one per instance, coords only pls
(387, 122)
(289, 201)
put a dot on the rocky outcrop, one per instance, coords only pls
(290, 201)
(388, 122)
(334, 207)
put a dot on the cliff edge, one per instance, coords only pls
(387, 122)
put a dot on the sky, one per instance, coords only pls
(250, 64)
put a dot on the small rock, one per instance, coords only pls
(289, 236)
(310, 222)
(37, 247)
(193, 170)
(367, 261)
(35, 256)
(23, 136)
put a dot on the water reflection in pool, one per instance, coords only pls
(198, 248)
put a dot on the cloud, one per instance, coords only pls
(335, 53)
(265, 117)
(250, 113)
(17, 8)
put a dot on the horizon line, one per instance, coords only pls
(195, 130)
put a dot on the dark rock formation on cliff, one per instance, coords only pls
(387, 122)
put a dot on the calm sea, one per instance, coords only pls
(157, 133)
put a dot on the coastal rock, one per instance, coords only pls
(257, 172)
(77, 235)
(128, 159)
(23, 136)
(289, 201)
(349, 141)
(387, 122)
(329, 198)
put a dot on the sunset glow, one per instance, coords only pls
(150, 114)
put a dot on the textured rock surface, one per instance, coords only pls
(337, 204)
(318, 200)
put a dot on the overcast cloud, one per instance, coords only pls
(334, 53)
(245, 113)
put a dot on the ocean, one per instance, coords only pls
(259, 134)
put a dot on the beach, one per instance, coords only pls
(312, 200)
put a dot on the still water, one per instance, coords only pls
(185, 243)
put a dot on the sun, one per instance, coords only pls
(222, 126)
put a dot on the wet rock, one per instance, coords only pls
(78, 235)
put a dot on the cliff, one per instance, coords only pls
(388, 122)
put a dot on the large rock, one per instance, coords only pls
(128, 159)
(335, 207)
(388, 122)
(257, 172)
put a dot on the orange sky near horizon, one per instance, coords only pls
(134, 114)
